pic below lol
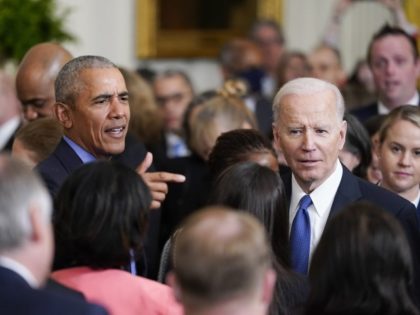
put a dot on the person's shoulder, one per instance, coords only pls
(44, 302)
(384, 198)
(65, 304)
(366, 111)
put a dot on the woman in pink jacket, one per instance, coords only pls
(100, 220)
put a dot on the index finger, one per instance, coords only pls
(169, 177)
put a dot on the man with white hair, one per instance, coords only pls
(310, 130)
(27, 246)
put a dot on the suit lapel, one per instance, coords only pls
(67, 157)
(348, 191)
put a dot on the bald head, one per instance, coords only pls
(35, 78)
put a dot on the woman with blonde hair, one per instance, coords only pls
(399, 152)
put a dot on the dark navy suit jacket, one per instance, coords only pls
(353, 188)
(63, 161)
(365, 112)
(18, 298)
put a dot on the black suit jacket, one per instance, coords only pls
(353, 188)
(63, 161)
(367, 111)
(18, 298)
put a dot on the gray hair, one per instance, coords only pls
(307, 86)
(20, 188)
(68, 83)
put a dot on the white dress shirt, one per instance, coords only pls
(322, 199)
(7, 130)
(383, 110)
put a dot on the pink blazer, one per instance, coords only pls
(120, 292)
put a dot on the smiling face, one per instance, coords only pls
(395, 70)
(399, 159)
(98, 120)
(310, 135)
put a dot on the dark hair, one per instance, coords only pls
(235, 146)
(260, 191)
(362, 265)
(101, 215)
(373, 124)
(358, 143)
(388, 30)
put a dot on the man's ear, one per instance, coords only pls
(343, 132)
(63, 114)
(36, 222)
(275, 134)
(269, 283)
(173, 283)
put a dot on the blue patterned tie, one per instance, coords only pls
(300, 237)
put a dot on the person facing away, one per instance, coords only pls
(222, 264)
(362, 266)
(310, 130)
(394, 60)
(27, 246)
(101, 218)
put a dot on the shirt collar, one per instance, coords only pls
(7, 130)
(323, 196)
(85, 156)
(20, 269)
(416, 201)
(383, 110)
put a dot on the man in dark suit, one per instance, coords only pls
(310, 130)
(26, 247)
(92, 106)
(394, 60)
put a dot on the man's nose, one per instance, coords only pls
(308, 140)
(30, 113)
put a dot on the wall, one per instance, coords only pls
(106, 27)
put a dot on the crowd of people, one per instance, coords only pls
(292, 189)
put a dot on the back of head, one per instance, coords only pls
(259, 191)
(215, 116)
(37, 139)
(101, 216)
(358, 143)
(20, 190)
(235, 146)
(362, 265)
(307, 86)
(68, 83)
(220, 256)
(145, 121)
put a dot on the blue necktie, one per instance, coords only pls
(300, 237)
